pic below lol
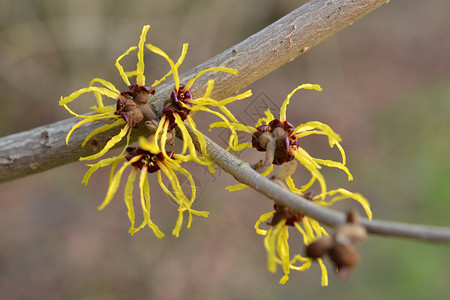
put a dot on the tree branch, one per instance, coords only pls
(44, 147)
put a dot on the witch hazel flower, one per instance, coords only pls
(131, 104)
(281, 142)
(276, 239)
(176, 111)
(145, 160)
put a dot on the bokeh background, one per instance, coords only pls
(386, 83)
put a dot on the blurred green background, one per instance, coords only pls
(386, 83)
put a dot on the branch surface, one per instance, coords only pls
(44, 148)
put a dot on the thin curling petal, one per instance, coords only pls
(186, 174)
(140, 77)
(283, 249)
(263, 219)
(113, 141)
(173, 68)
(145, 203)
(120, 68)
(104, 128)
(76, 94)
(86, 119)
(106, 83)
(286, 102)
(345, 194)
(201, 140)
(177, 65)
(268, 118)
(307, 161)
(223, 69)
(334, 164)
(114, 185)
(270, 245)
(103, 163)
(324, 277)
(128, 198)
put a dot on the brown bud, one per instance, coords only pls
(350, 234)
(135, 116)
(264, 139)
(319, 248)
(353, 217)
(129, 105)
(344, 256)
(279, 133)
(286, 170)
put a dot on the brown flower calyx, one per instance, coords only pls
(340, 247)
(285, 213)
(146, 158)
(280, 137)
(131, 104)
(179, 98)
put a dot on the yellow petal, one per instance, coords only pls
(286, 102)
(104, 128)
(307, 161)
(173, 68)
(140, 77)
(223, 69)
(100, 164)
(178, 224)
(114, 185)
(345, 194)
(113, 141)
(324, 278)
(145, 202)
(106, 83)
(128, 198)
(263, 219)
(269, 117)
(76, 94)
(119, 66)
(334, 164)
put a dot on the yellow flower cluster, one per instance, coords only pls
(150, 156)
(275, 136)
(286, 147)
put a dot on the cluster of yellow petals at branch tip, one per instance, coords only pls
(276, 240)
(109, 90)
(169, 166)
(199, 104)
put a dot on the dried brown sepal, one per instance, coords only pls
(284, 213)
(131, 104)
(285, 140)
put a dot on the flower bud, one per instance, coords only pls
(319, 248)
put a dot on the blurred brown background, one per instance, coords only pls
(386, 83)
